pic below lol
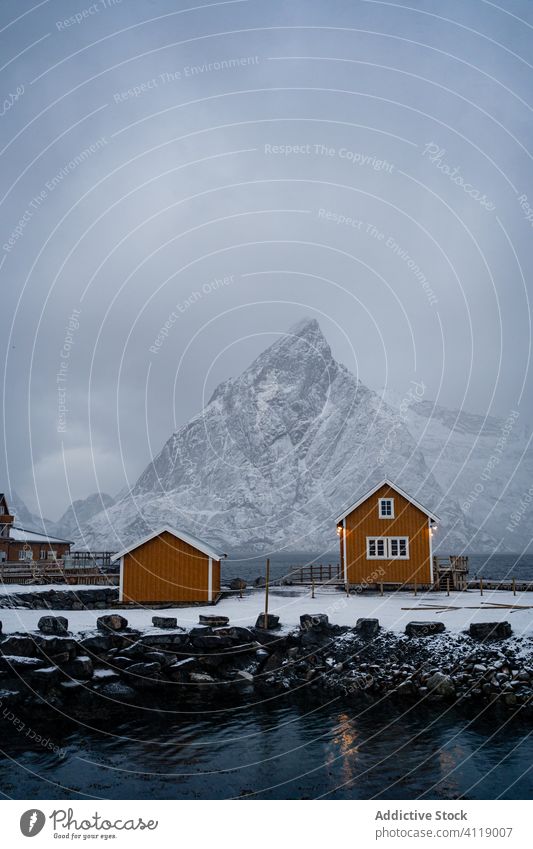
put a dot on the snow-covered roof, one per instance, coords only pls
(22, 535)
(397, 489)
(184, 537)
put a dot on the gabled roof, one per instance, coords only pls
(22, 535)
(184, 537)
(397, 489)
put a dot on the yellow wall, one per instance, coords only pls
(168, 569)
(408, 521)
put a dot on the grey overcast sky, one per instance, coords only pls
(226, 169)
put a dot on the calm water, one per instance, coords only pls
(495, 566)
(285, 750)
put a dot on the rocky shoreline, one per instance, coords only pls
(114, 665)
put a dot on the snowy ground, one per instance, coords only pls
(340, 609)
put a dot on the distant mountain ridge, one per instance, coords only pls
(277, 453)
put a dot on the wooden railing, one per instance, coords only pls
(318, 573)
(51, 572)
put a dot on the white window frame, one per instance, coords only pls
(383, 515)
(25, 554)
(387, 548)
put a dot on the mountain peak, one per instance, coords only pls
(304, 326)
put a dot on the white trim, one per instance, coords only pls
(387, 548)
(344, 551)
(397, 489)
(430, 551)
(188, 538)
(121, 582)
(384, 515)
(210, 580)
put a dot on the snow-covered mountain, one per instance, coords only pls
(79, 513)
(486, 463)
(24, 518)
(275, 455)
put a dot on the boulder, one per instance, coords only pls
(212, 642)
(53, 625)
(98, 643)
(440, 684)
(268, 622)
(173, 640)
(111, 622)
(213, 621)
(20, 645)
(178, 671)
(313, 620)
(55, 648)
(238, 584)
(80, 667)
(164, 622)
(117, 691)
(490, 630)
(201, 678)
(47, 677)
(20, 664)
(367, 627)
(142, 675)
(424, 629)
(240, 636)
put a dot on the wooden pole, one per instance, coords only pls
(381, 588)
(514, 586)
(267, 582)
(313, 588)
(481, 586)
(415, 585)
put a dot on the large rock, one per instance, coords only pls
(424, 629)
(100, 643)
(20, 664)
(21, 645)
(238, 584)
(268, 622)
(53, 625)
(367, 627)
(239, 635)
(440, 684)
(143, 675)
(313, 620)
(48, 676)
(80, 667)
(111, 622)
(212, 642)
(490, 630)
(172, 640)
(213, 621)
(164, 622)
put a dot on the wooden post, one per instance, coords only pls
(481, 586)
(415, 584)
(301, 575)
(447, 588)
(381, 588)
(312, 588)
(514, 586)
(329, 572)
(267, 582)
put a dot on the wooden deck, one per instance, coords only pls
(53, 572)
